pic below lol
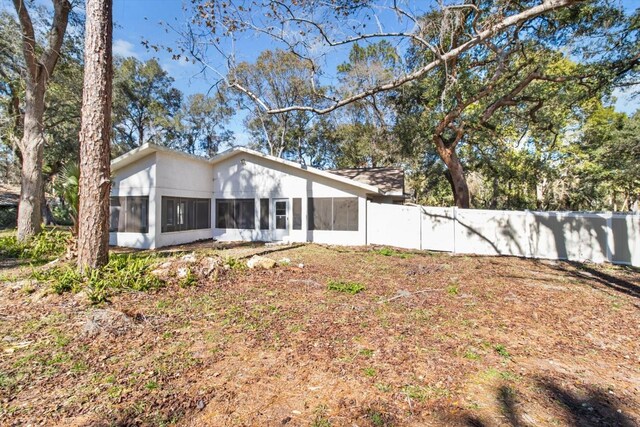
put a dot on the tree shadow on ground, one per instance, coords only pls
(594, 407)
(585, 271)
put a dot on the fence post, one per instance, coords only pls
(420, 228)
(529, 232)
(609, 237)
(455, 219)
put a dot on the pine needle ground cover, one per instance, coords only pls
(332, 337)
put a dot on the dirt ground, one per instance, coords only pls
(433, 339)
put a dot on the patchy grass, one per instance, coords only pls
(350, 288)
(276, 347)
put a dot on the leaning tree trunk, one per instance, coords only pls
(32, 150)
(456, 174)
(95, 184)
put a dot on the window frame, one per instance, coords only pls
(179, 214)
(124, 208)
(326, 208)
(235, 210)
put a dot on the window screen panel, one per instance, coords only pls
(264, 214)
(320, 212)
(345, 213)
(129, 214)
(203, 214)
(182, 214)
(297, 213)
(114, 213)
(235, 213)
(245, 213)
(223, 217)
(171, 212)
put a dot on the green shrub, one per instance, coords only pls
(351, 288)
(46, 245)
(68, 280)
(123, 272)
(235, 264)
(391, 252)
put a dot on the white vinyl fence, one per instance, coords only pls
(571, 236)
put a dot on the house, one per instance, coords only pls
(163, 197)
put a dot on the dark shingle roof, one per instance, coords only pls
(389, 180)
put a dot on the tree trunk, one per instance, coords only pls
(47, 215)
(32, 150)
(38, 70)
(456, 173)
(95, 184)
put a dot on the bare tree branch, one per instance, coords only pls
(545, 7)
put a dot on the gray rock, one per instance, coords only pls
(190, 258)
(209, 265)
(106, 322)
(257, 261)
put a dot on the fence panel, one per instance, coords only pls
(568, 235)
(437, 229)
(486, 232)
(571, 236)
(624, 239)
(394, 225)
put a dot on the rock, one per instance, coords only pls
(190, 258)
(284, 261)
(209, 265)
(182, 272)
(106, 322)
(257, 261)
(301, 265)
(26, 284)
(160, 272)
(200, 404)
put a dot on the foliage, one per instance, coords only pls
(124, 272)
(145, 104)
(189, 280)
(278, 77)
(67, 188)
(502, 351)
(364, 130)
(202, 120)
(391, 252)
(350, 288)
(50, 243)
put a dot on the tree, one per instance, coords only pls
(39, 66)
(476, 38)
(277, 78)
(202, 121)
(364, 131)
(145, 104)
(95, 133)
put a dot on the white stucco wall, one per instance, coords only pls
(259, 178)
(180, 176)
(137, 179)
